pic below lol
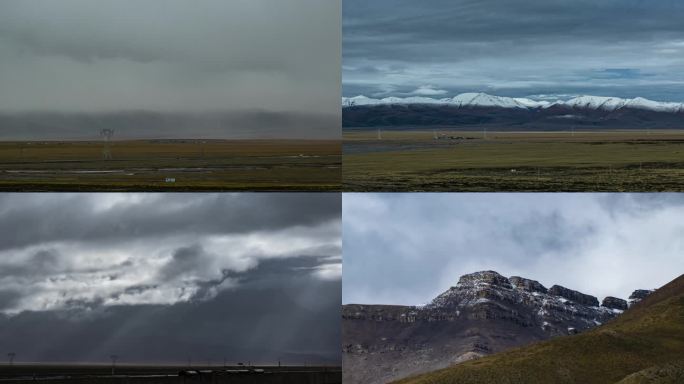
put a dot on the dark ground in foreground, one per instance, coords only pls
(171, 165)
(513, 161)
(167, 374)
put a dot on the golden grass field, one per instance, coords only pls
(514, 161)
(150, 165)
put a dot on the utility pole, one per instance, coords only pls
(114, 358)
(106, 149)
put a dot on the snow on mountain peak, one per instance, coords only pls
(467, 100)
(641, 103)
(484, 100)
(475, 100)
(595, 102)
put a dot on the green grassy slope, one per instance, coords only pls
(649, 337)
(671, 373)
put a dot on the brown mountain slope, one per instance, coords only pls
(483, 314)
(647, 336)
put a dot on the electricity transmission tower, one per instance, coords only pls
(114, 358)
(106, 134)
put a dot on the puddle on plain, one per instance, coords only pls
(40, 171)
(131, 172)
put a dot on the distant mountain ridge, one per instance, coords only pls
(484, 313)
(481, 109)
(472, 100)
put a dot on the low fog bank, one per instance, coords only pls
(129, 125)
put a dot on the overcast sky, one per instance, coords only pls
(408, 248)
(166, 277)
(171, 55)
(556, 48)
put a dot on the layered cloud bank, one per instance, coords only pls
(403, 48)
(65, 251)
(169, 55)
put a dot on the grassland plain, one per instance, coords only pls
(645, 344)
(171, 165)
(449, 160)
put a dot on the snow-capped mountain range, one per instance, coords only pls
(481, 100)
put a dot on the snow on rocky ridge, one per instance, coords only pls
(489, 295)
(552, 306)
(556, 308)
(473, 100)
(484, 313)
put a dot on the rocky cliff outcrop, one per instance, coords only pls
(527, 284)
(639, 295)
(577, 297)
(614, 303)
(483, 313)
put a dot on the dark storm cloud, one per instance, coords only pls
(249, 276)
(293, 320)
(8, 299)
(171, 57)
(42, 261)
(183, 259)
(407, 248)
(514, 48)
(151, 215)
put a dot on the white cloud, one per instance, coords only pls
(428, 90)
(407, 248)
